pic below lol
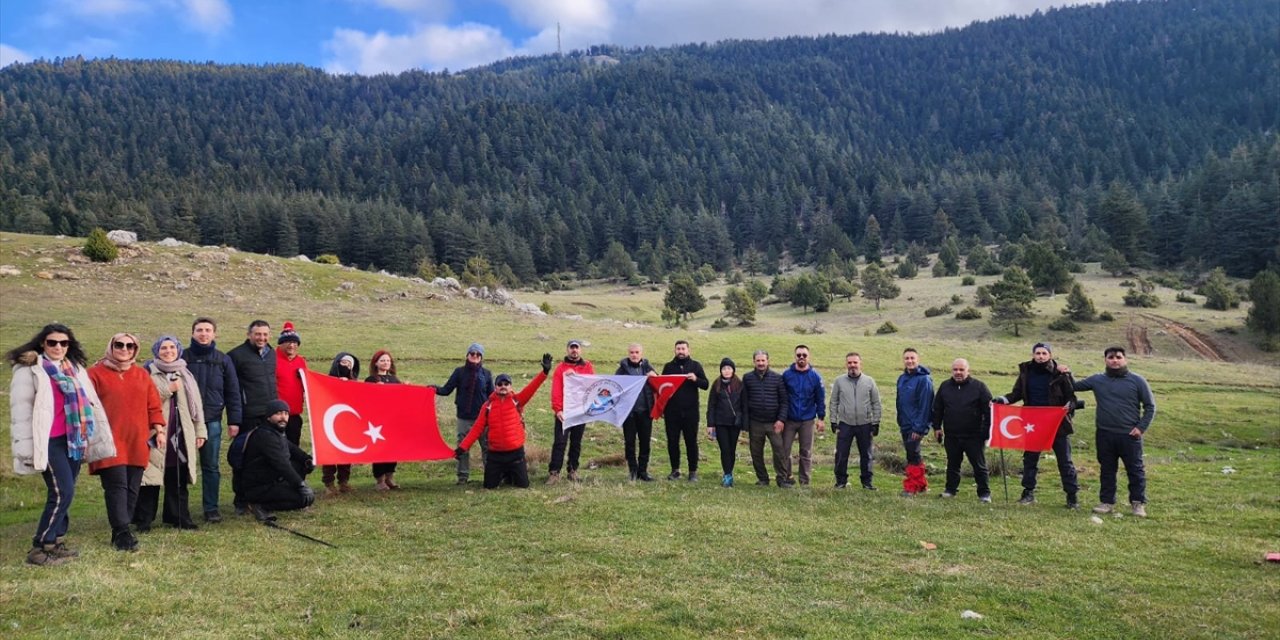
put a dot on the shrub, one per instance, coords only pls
(982, 296)
(1127, 283)
(545, 307)
(968, 313)
(719, 324)
(1135, 298)
(907, 270)
(955, 298)
(327, 258)
(1106, 316)
(1064, 324)
(1184, 297)
(968, 281)
(887, 328)
(99, 248)
(933, 312)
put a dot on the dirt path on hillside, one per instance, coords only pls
(1136, 334)
(1198, 342)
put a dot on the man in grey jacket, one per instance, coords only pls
(855, 412)
(1126, 408)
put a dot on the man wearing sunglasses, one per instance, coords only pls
(807, 408)
(502, 416)
(474, 383)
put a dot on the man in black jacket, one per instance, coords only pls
(638, 427)
(255, 363)
(682, 412)
(215, 376)
(273, 469)
(766, 398)
(1040, 384)
(962, 415)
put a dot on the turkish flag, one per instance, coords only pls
(361, 422)
(1025, 428)
(664, 387)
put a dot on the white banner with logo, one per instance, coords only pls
(592, 398)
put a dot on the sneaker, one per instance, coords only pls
(1028, 497)
(693, 476)
(842, 485)
(948, 494)
(984, 499)
(762, 483)
(260, 514)
(868, 487)
(463, 480)
(553, 479)
(241, 510)
(43, 556)
(907, 494)
(1104, 507)
(644, 476)
(727, 481)
(212, 517)
(574, 477)
(343, 487)
(632, 476)
(674, 475)
(1139, 510)
(1072, 503)
(786, 484)
(125, 541)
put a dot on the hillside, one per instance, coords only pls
(697, 154)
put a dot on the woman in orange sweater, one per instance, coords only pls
(133, 408)
(503, 415)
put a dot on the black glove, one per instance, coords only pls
(308, 495)
(546, 363)
(459, 453)
(875, 429)
(308, 466)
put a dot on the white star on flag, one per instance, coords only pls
(374, 433)
(1030, 428)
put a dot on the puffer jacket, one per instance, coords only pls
(31, 417)
(504, 417)
(215, 374)
(766, 396)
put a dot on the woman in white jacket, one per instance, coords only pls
(57, 423)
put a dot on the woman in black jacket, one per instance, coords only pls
(726, 416)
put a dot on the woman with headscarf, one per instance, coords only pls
(173, 460)
(57, 422)
(384, 372)
(346, 367)
(133, 406)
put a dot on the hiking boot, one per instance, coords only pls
(260, 514)
(344, 487)
(1072, 503)
(1104, 507)
(43, 556)
(786, 484)
(644, 476)
(762, 483)
(868, 486)
(632, 476)
(553, 479)
(947, 494)
(574, 477)
(727, 481)
(693, 476)
(1139, 510)
(212, 517)
(1028, 497)
(674, 475)
(61, 550)
(124, 541)
(985, 499)
(842, 485)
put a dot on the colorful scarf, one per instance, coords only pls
(74, 403)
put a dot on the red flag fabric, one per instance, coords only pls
(358, 422)
(1025, 428)
(664, 387)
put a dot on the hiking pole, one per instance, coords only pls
(1004, 476)
(275, 525)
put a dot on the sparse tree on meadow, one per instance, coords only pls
(877, 285)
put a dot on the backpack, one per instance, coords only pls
(235, 452)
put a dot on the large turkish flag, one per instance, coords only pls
(1025, 428)
(359, 422)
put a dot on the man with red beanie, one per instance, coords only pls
(289, 366)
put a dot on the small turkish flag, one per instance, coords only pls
(664, 387)
(1025, 428)
(359, 422)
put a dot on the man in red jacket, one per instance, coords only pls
(503, 416)
(289, 366)
(573, 364)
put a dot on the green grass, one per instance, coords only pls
(670, 559)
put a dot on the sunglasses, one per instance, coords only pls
(57, 343)
(504, 384)
(473, 354)
(127, 346)
(802, 355)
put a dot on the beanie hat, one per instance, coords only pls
(287, 334)
(276, 406)
(502, 377)
(728, 363)
(476, 348)
(1042, 345)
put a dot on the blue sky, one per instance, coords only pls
(389, 36)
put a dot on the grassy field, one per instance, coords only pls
(610, 559)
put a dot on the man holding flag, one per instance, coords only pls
(682, 410)
(1040, 384)
(961, 413)
(639, 425)
(571, 436)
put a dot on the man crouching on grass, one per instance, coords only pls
(503, 415)
(273, 469)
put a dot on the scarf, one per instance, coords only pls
(470, 383)
(1117, 373)
(74, 403)
(189, 388)
(110, 362)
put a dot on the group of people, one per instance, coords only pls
(158, 425)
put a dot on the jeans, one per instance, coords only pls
(120, 486)
(912, 447)
(801, 430)
(638, 426)
(464, 463)
(1112, 449)
(727, 438)
(1062, 451)
(846, 435)
(688, 429)
(506, 466)
(60, 482)
(759, 432)
(972, 447)
(572, 437)
(210, 473)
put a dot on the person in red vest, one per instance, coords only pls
(503, 415)
(289, 366)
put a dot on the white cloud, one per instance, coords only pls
(208, 16)
(12, 55)
(426, 8)
(432, 47)
(103, 8)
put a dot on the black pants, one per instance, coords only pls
(912, 447)
(1061, 451)
(638, 426)
(972, 447)
(846, 435)
(727, 438)
(278, 496)
(293, 429)
(508, 467)
(1112, 449)
(572, 437)
(120, 493)
(176, 499)
(383, 468)
(688, 428)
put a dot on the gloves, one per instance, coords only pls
(459, 453)
(308, 466)
(546, 363)
(875, 429)
(1000, 400)
(308, 495)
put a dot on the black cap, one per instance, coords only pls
(502, 377)
(276, 406)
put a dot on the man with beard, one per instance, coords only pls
(272, 469)
(571, 436)
(1040, 384)
(474, 383)
(682, 411)
(1126, 408)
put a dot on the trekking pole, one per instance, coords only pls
(274, 525)
(1004, 476)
